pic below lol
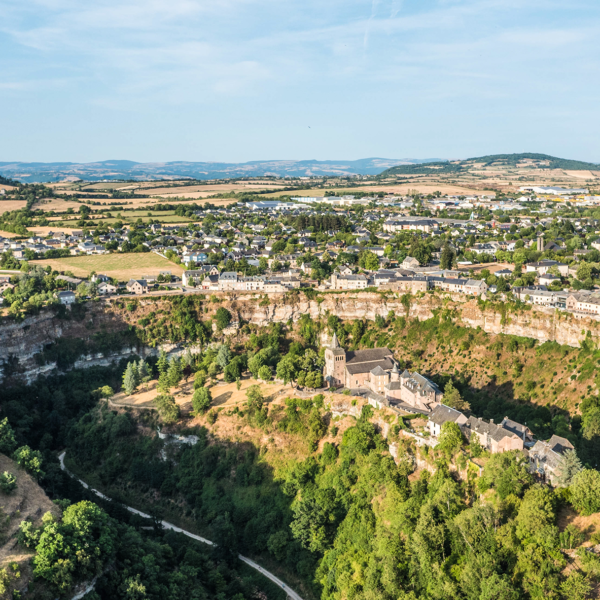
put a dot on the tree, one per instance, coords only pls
(223, 318)
(287, 369)
(201, 400)
(30, 460)
(585, 491)
(174, 373)
(8, 482)
(164, 385)
(129, 380)
(199, 379)
(369, 261)
(163, 362)
(143, 371)
(255, 398)
(447, 257)
(168, 409)
(105, 391)
(453, 399)
(7, 437)
(75, 548)
(264, 373)
(451, 438)
(223, 356)
(507, 473)
(576, 586)
(569, 466)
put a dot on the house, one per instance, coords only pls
(228, 281)
(496, 438)
(193, 278)
(348, 282)
(548, 278)
(107, 288)
(5, 286)
(410, 263)
(416, 391)
(542, 267)
(442, 414)
(137, 286)
(545, 458)
(66, 297)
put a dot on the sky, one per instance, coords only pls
(241, 80)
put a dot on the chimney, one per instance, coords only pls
(491, 421)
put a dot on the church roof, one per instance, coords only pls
(368, 355)
(365, 367)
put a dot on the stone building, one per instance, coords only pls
(376, 370)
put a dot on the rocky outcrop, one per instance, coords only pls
(23, 340)
(541, 323)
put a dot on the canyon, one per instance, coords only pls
(21, 341)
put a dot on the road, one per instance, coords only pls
(290, 593)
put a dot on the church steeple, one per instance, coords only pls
(334, 341)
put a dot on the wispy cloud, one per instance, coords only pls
(270, 60)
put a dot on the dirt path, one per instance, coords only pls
(290, 593)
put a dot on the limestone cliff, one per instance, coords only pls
(23, 340)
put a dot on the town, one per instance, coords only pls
(541, 249)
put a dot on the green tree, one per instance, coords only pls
(168, 409)
(369, 261)
(223, 356)
(264, 373)
(287, 368)
(7, 437)
(75, 548)
(451, 438)
(507, 473)
(576, 586)
(199, 379)
(585, 491)
(30, 460)
(163, 362)
(129, 380)
(447, 257)
(223, 318)
(453, 399)
(201, 400)
(174, 373)
(569, 466)
(255, 397)
(8, 482)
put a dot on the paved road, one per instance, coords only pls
(290, 593)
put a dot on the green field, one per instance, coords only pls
(120, 266)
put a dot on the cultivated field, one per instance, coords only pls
(120, 266)
(8, 205)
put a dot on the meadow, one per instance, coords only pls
(120, 266)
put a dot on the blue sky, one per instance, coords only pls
(238, 80)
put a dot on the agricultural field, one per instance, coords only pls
(120, 266)
(9, 205)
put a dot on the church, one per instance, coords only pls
(376, 370)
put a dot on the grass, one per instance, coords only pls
(120, 266)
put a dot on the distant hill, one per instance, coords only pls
(526, 159)
(126, 169)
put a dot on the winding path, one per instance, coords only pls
(290, 593)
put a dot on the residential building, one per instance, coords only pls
(137, 286)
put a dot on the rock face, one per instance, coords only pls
(541, 323)
(23, 340)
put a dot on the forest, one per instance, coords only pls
(342, 519)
